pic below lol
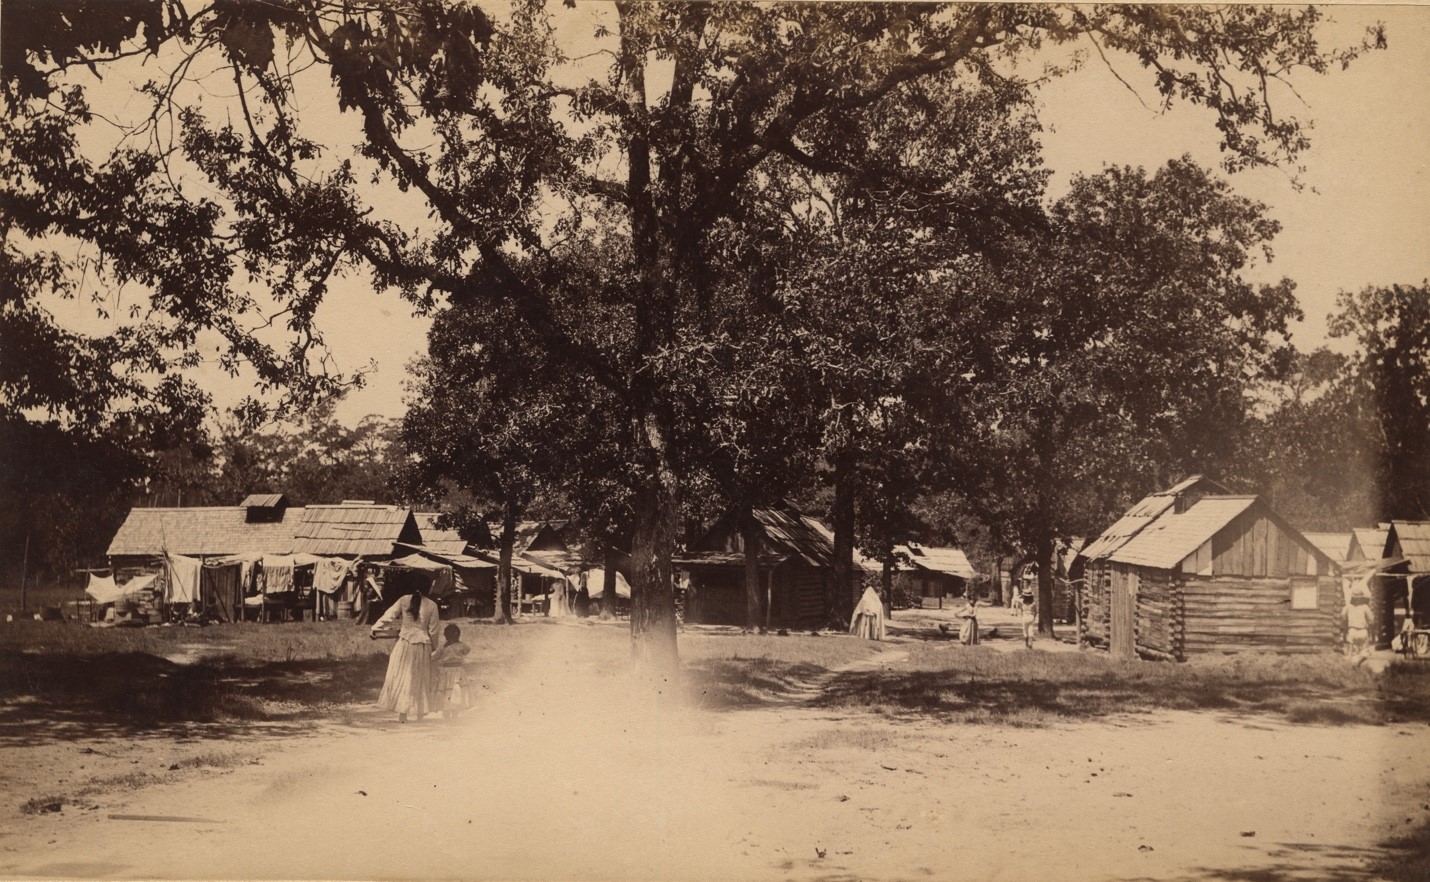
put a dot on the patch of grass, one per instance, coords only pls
(980, 685)
(40, 805)
(211, 760)
(863, 738)
(827, 651)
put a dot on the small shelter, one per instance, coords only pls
(795, 560)
(868, 618)
(1224, 574)
(1402, 589)
(932, 574)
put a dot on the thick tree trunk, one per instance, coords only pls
(886, 587)
(504, 572)
(1047, 571)
(998, 596)
(750, 541)
(839, 599)
(657, 515)
(608, 585)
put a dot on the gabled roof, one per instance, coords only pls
(787, 534)
(203, 531)
(1370, 542)
(939, 560)
(1413, 537)
(1166, 543)
(442, 541)
(1333, 545)
(354, 529)
(1140, 516)
(790, 533)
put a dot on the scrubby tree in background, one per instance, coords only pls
(479, 128)
(1343, 440)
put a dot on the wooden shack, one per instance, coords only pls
(1094, 558)
(932, 574)
(795, 564)
(1402, 589)
(1227, 574)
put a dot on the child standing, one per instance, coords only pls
(1028, 617)
(452, 694)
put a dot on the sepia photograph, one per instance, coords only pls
(829, 441)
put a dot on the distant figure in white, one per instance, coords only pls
(868, 618)
(968, 631)
(1358, 626)
(409, 684)
(1028, 616)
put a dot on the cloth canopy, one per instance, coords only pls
(868, 618)
(441, 574)
(103, 590)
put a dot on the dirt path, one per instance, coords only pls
(565, 777)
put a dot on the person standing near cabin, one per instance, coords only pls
(408, 686)
(1358, 626)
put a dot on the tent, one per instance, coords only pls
(596, 584)
(103, 590)
(868, 618)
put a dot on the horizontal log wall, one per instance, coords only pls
(1225, 614)
(1159, 613)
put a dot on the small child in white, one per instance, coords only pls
(452, 694)
(1028, 616)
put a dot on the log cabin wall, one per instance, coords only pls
(1228, 614)
(719, 595)
(1096, 600)
(799, 596)
(1158, 617)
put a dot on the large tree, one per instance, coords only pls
(482, 130)
(1130, 345)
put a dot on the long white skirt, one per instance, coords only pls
(408, 687)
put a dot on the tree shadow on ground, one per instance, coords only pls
(1399, 859)
(48, 698)
(733, 684)
(960, 696)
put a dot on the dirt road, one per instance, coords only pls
(564, 776)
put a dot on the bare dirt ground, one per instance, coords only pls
(561, 774)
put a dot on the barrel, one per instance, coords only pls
(345, 609)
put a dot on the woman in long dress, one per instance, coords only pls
(409, 684)
(968, 632)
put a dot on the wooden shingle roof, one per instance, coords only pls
(1411, 540)
(355, 529)
(202, 531)
(1333, 545)
(951, 561)
(1368, 543)
(1142, 515)
(441, 541)
(1167, 542)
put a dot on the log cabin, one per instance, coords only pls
(1226, 575)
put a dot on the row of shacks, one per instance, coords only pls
(264, 559)
(1195, 569)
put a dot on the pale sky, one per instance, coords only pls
(1362, 219)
